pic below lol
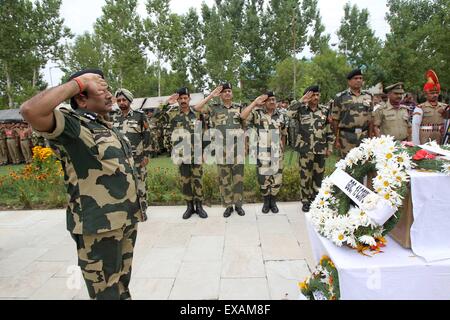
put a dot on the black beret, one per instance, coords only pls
(315, 88)
(270, 94)
(80, 73)
(354, 73)
(183, 91)
(226, 86)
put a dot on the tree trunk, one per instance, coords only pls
(34, 79)
(159, 75)
(8, 87)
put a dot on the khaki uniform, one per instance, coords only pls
(136, 129)
(231, 160)
(432, 125)
(3, 148)
(183, 126)
(13, 147)
(25, 144)
(354, 115)
(393, 121)
(104, 206)
(314, 138)
(269, 173)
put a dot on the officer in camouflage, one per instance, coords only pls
(352, 114)
(392, 118)
(133, 124)
(104, 207)
(314, 142)
(270, 125)
(183, 127)
(154, 133)
(225, 117)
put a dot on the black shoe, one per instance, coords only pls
(273, 204)
(190, 210)
(240, 211)
(228, 212)
(266, 205)
(199, 209)
(306, 207)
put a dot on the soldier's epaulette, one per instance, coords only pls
(366, 92)
(340, 94)
(70, 112)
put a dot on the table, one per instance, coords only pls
(395, 274)
(430, 231)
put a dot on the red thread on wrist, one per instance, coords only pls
(80, 84)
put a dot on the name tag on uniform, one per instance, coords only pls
(358, 130)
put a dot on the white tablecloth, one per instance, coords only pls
(430, 232)
(395, 274)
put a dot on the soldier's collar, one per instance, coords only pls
(87, 114)
(130, 113)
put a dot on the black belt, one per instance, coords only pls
(354, 129)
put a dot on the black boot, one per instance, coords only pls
(228, 212)
(240, 211)
(190, 210)
(199, 209)
(306, 207)
(273, 205)
(266, 205)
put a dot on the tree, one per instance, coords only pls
(358, 41)
(32, 31)
(318, 42)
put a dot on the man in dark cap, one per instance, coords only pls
(133, 124)
(185, 127)
(313, 142)
(225, 118)
(352, 114)
(270, 127)
(392, 118)
(104, 206)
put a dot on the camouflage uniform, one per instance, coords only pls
(166, 116)
(104, 206)
(191, 173)
(135, 128)
(314, 138)
(231, 175)
(3, 148)
(432, 125)
(154, 136)
(393, 121)
(38, 140)
(354, 115)
(269, 181)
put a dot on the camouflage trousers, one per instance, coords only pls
(3, 152)
(26, 150)
(13, 151)
(142, 185)
(191, 181)
(312, 168)
(106, 260)
(350, 140)
(231, 179)
(270, 182)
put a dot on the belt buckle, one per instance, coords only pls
(358, 130)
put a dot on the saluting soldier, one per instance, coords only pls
(133, 124)
(314, 142)
(352, 114)
(270, 125)
(392, 118)
(186, 127)
(429, 117)
(225, 117)
(102, 183)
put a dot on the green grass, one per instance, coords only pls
(4, 170)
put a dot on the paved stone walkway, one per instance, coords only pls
(256, 257)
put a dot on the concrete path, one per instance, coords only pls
(256, 257)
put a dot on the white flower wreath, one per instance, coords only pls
(334, 218)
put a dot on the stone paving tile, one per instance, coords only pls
(253, 257)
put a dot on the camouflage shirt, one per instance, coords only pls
(353, 111)
(260, 120)
(137, 130)
(99, 173)
(313, 132)
(188, 126)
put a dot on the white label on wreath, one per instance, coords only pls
(377, 208)
(436, 149)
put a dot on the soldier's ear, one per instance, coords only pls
(81, 100)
